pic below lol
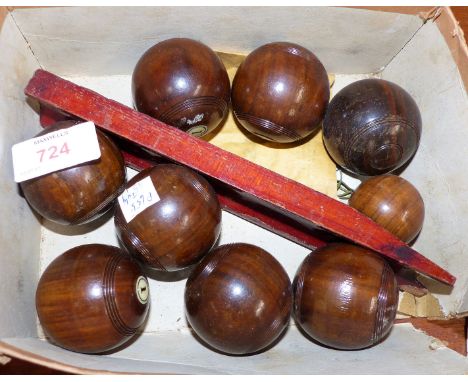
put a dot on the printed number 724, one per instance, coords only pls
(53, 152)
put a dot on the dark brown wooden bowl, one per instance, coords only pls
(280, 92)
(251, 191)
(372, 127)
(181, 228)
(238, 299)
(392, 202)
(81, 193)
(345, 296)
(183, 83)
(92, 299)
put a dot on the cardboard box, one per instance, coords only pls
(423, 52)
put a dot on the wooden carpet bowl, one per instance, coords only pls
(238, 299)
(372, 127)
(345, 296)
(280, 92)
(92, 299)
(81, 193)
(178, 230)
(183, 83)
(392, 202)
(244, 188)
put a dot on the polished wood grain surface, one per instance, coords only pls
(280, 92)
(183, 83)
(92, 299)
(18, 367)
(392, 202)
(238, 299)
(345, 296)
(80, 193)
(230, 200)
(252, 182)
(372, 127)
(180, 228)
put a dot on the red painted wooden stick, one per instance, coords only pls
(253, 212)
(253, 182)
(273, 221)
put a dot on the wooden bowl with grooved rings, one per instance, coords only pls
(392, 202)
(178, 230)
(183, 83)
(345, 296)
(92, 299)
(280, 92)
(81, 193)
(372, 127)
(238, 299)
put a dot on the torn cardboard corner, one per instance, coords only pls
(425, 313)
(423, 306)
(455, 39)
(433, 14)
(445, 333)
(438, 344)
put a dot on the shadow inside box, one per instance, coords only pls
(307, 337)
(361, 177)
(218, 129)
(165, 276)
(81, 229)
(258, 139)
(435, 287)
(169, 276)
(202, 342)
(131, 340)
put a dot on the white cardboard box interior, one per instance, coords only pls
(98, 48)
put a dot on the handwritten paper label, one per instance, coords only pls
(137, 198)
(55, 151)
